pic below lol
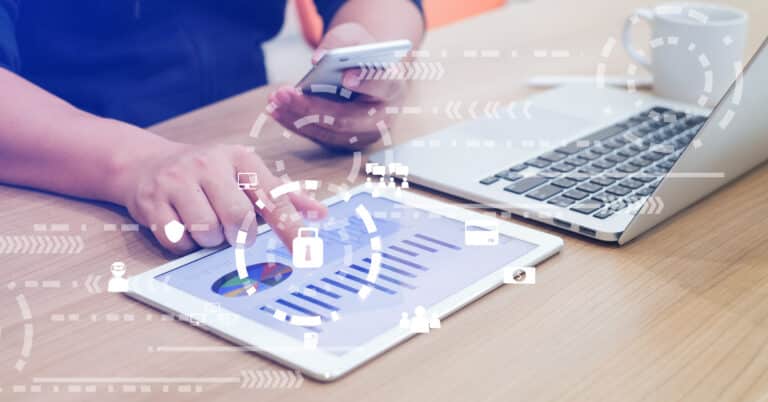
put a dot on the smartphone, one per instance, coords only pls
(326, 75)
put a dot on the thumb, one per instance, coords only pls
(342, 35)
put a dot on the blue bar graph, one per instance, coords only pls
(340, 285)
(393, 269)
(324, 291)
(383, 277)
(364, 282)
(420, 246)
(438, 241)
(314, 301)
(404, 262)
(404, 251)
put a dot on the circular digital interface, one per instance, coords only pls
(261, 276)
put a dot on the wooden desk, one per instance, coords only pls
(680, 313)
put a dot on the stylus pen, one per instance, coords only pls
(624, 81)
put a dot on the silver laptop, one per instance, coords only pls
(604, 163)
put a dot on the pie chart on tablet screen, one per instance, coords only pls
(262, 276)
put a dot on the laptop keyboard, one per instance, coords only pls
(606, 171)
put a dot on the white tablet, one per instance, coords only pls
(387, 261)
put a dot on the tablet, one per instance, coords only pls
(386, 259)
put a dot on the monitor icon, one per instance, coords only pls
(247, 180)
(481, 233)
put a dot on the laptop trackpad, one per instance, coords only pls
(478, 148)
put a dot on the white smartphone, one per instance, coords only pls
(325, 77)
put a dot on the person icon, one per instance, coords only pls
(404, 185)
(405, 322)
(117, 284)
(368, 182)
(419, 323)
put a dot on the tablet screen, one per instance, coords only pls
(425, 259)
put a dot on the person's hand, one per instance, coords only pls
(197, 185)
(351, 119)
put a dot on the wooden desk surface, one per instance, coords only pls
(680, 313)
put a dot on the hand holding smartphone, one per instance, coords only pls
(329, 70)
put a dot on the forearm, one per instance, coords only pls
(47, 143)
(384, 19)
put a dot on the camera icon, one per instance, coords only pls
(520, 275)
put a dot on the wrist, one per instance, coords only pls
(135, 149)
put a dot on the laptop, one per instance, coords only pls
(604, 163)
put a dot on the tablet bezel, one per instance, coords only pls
(318, 363)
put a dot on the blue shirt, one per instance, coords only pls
(142, 61)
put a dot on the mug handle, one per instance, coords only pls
(626, 36)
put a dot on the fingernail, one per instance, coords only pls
(318, 55)
(284, 98)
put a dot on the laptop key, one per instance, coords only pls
(561, 201)
(570, 149)
(544, 192)
(612, 144)
(616, 175)
(627, 152)
(603, 214)
(589, 155)
(528, 183)
(489, 180)
(563, 167)
(605, 198)
(645, 191)
(575, 194)
(587, 207)
(617, 205)
(589, 187)
(553, 156)
(640, 146)
(603, 164)
(602, 181)
(549, 174)
(631, 184)
(507, 175)
(598, 149)
(644, 177)
(577, 176)
(628, 168)
(618, 190)
(640, 162)
(652, 156)
(518, 168)
(665, 165)
(564, 182)
(538, 162)
(576, 161)
(615, 158)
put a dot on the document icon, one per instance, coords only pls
(481, 233)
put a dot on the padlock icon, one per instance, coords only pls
(307, 249)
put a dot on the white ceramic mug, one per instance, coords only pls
(696, 49)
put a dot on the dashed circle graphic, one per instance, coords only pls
(703, 62)
(329, 120)
(29, 329)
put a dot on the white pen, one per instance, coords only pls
(548, 81)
